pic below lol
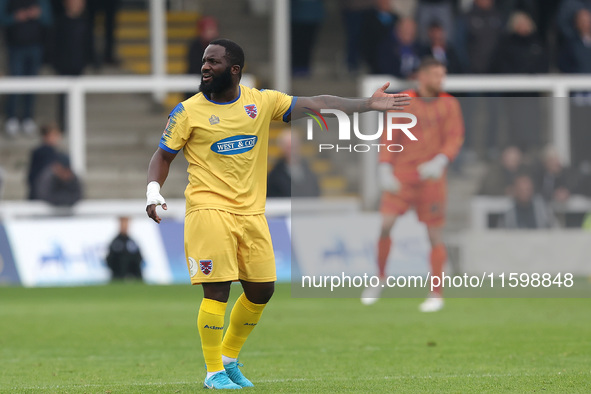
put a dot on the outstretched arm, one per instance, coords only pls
(157, 173)
(379, 101)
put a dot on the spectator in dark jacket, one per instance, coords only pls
(207, 31)
(43, 156)
(576, 55)
(440, 49)
(500, 176)
(482, 28)
(566, 17)
(520, 51)
(25, 23)
(70, 52)
(400, 53)
(377, 26)
(553, 180)
(529, 210)
(306, 19)
(291, 176)
(124, 258)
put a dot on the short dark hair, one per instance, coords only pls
(49, 127)
(234, 52)
(430, 61)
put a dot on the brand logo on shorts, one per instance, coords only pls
(192, 267)
(206, 266)
(235, 145)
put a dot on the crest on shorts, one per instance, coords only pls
(251, 110)
(206, 266)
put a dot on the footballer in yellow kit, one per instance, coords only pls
(226, 144)
(224, 132)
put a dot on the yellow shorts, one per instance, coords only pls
(221, 246)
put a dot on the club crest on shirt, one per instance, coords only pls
(214, 120)
(206, 266)
(251, 110)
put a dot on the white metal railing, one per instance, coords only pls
(76, 89)
(555, 85)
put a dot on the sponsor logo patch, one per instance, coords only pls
(206, 266)
(235, 145)
(213, 327)
(214, 120)
(251, 110)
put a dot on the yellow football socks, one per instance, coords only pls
(244, 317)
(210, 322)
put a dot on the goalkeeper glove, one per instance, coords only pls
(433, 169)
(387, 179)
(153, 195)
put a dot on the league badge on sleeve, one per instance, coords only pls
(251, 110)
(206, 266)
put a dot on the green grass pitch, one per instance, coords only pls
(143, 339)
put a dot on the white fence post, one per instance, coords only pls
(158, 39)
(77, 128)
(281, 49)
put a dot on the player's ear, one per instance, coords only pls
(235, 69)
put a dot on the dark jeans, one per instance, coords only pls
(23, 61)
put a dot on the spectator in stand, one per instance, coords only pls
(50, 177)
(207, 31)
(25, 23)
(124, 258)
(70, 53)
(440, 49)
(520, 51)
(566, 17)
(109, 9)
(377, 26)
(43, 156)
(553, 181)
(291, 176)
(529, 210)
(58, 185)
(576, 55)
(429, 11)
(482, 28)
(306, 19)
(501, 176)
(354, 12)
(400, 53)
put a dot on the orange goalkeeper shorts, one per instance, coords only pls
(428, 198)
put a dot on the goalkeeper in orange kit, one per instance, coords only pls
(416, 177)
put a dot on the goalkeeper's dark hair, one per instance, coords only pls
(430, 61)
(234, 52)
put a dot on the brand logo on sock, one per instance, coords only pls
(206, 266)
(250, 324)
(213, 327)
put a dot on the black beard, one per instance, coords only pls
(217, 84)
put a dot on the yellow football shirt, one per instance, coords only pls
(226, 145)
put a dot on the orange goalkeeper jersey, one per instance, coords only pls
(439, 129)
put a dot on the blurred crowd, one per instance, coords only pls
(470, 36)
(57, 32)
(539, 187)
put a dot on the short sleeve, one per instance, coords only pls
(283, 104)
(177, 130)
